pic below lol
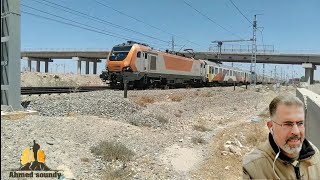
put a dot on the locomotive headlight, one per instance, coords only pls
(126, 69)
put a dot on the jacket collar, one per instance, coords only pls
(306, 153)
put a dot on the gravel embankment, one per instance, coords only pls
(159, 126)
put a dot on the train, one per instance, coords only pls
(141, 67)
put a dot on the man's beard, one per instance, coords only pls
(292, 149)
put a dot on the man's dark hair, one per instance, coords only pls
(287, 99)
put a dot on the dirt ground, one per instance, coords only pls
(201, 133)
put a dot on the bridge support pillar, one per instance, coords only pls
(94, 67)
(29, 65)
(46, 66)
(87, 67)
(87, 60)
(38, 60)
(79, 67)
(309, 72)
(38, 66)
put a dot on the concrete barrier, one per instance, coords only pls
(312, 105)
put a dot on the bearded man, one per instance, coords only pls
(287, 154)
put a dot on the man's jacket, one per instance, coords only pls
(259, 163)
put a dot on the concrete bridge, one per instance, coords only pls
(308, 61)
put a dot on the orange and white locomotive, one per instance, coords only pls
(141, 67)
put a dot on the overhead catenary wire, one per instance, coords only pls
(78, 26)
(45, 12)
(240, 12)
(207, 17)
(70, 24)
(141, 21)
(85, 15)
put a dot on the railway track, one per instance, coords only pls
(60, 90)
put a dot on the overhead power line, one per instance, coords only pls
(88, 28)
(207, 17)
(70, 24)
(152, 26)
(45, 12)
(241, 12)
(85, 15)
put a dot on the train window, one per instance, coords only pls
(212, 70)
(146, 55)
(216, 70)
(228, 72)
(139, 54)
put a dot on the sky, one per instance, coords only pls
(287, 26)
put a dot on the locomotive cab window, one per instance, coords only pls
(146, 55)
(119, 53)
(139, 54)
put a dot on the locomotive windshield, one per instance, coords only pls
(119, 53)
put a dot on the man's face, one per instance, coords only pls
(290, 135)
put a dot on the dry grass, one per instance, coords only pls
(201, 128)
(208, 94)
(137, 123)
(256, 136)
(198, 140)
(214, 167)
(72, 114)
(112, 151)
(162, 119)
(86, 160)
(143, 101)
(118, 174)
(176, 98)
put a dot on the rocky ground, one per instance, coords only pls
(154, 134)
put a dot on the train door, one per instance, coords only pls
(152, 62)
(202, 70)
(143, 62)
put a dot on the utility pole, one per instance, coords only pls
(254, 53)
(172, 45)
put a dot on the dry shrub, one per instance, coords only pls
(198, 140)
(143, 101)
(176, 98)
(118, 174)
(162, 119)
(84, 160)
(208, 94)
(201, 128)
(112, 151)
(256, 135)
(139, 123)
